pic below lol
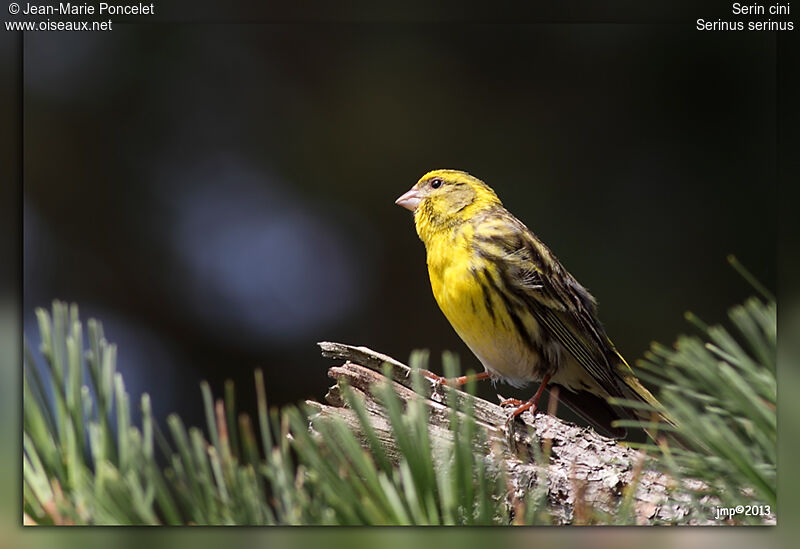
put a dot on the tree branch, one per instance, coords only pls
(587, 474)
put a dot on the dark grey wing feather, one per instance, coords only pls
(564, 307)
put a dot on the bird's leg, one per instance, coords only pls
(463, 380)
(527, 405)
(512, 402)
(454, 381)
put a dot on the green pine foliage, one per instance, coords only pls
(721, 391)
(85, 462)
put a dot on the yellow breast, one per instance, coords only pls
(465, 288)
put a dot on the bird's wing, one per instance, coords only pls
(561, 305)
(567, 311)
(579, 331)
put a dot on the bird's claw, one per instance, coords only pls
(510, 401)
(521, 406)
(436, 380)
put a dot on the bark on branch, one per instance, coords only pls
(587, 473)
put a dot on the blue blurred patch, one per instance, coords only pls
(257, 260)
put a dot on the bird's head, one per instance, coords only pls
(445, 198)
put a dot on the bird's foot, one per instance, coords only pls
(463, 380)
(521, 406)
(433, 377)
(525, 405)
(510, 402)
(438, 380)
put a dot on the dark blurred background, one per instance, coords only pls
(222, 196)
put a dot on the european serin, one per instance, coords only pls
(511, 301)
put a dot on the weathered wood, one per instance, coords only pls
(586, 471)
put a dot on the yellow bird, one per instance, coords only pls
(511, 301)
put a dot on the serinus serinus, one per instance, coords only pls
(511, 301)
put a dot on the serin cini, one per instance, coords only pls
(510, 299)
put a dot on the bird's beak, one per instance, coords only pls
(410, 200)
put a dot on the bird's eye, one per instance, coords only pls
(436, 183)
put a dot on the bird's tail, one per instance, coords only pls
(633, 390)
